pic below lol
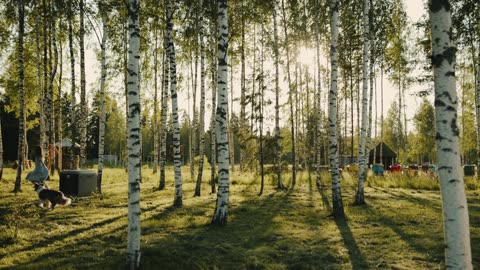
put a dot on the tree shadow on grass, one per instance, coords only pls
(257, 236)
(356, 257)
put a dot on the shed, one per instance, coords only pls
(388, 156)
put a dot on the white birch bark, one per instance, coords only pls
(50, 96)
(155, 132)
(1, 152)
(21, 90)
(278, 139)
(458, 253)
(201, 126)
(221, 208)
(73, 98)
(39, 81)
(134, 145)
(163, 123)
(173, 92)
(290, 98)
(362, 173)
(318, 149)
(332, 114)
(213, 132)
(103, 114)
(45, 78)
(477, 110)
(83, 94)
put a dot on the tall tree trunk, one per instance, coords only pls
(213, 132)
(278, 139)
(221, 208)
(103, 114)
(243, 101)
(362, 155)
(332, 115)
(173, 92)
(319, 97)
(134, 145)
(73, 118)
(45, 77)
(155, 100)
(50, 96)
(381, 115)
(39, 82)
(1, 152)
(455, 209)
(231, 150)
(83, 94)
(59, 108)
(193, 138)
(290, 98)
(261, 87)
(201, 126)
(21, 90)
(163, 127)
(477, 105)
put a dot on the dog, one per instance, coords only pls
(50, 197)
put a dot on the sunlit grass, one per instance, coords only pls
(400, 227)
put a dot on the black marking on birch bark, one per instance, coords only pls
(450, 73)
(448, 54)
(334, 6)
(135, 202)
(134, 109)
(455, 129)
(437, 5)
(439, 137)
(451, 181)
(447, 150)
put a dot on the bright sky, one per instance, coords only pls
(415, 9)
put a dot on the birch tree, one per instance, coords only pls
(221, 207)
(50, 94)
(290, 97)
(362, 155)
(332, 114)
(134, 145)
(278, 140)
(73, 115)
(21, 91)
(173, 94)
(455, 210)
(83, 94)
(101, 129)
(201, 126)
(163, 123)
(1, 151)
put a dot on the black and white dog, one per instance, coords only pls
(50, 197)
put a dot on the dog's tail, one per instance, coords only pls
(66, 201)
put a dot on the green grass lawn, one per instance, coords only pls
(399, 228)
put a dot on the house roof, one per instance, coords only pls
(387, 151)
